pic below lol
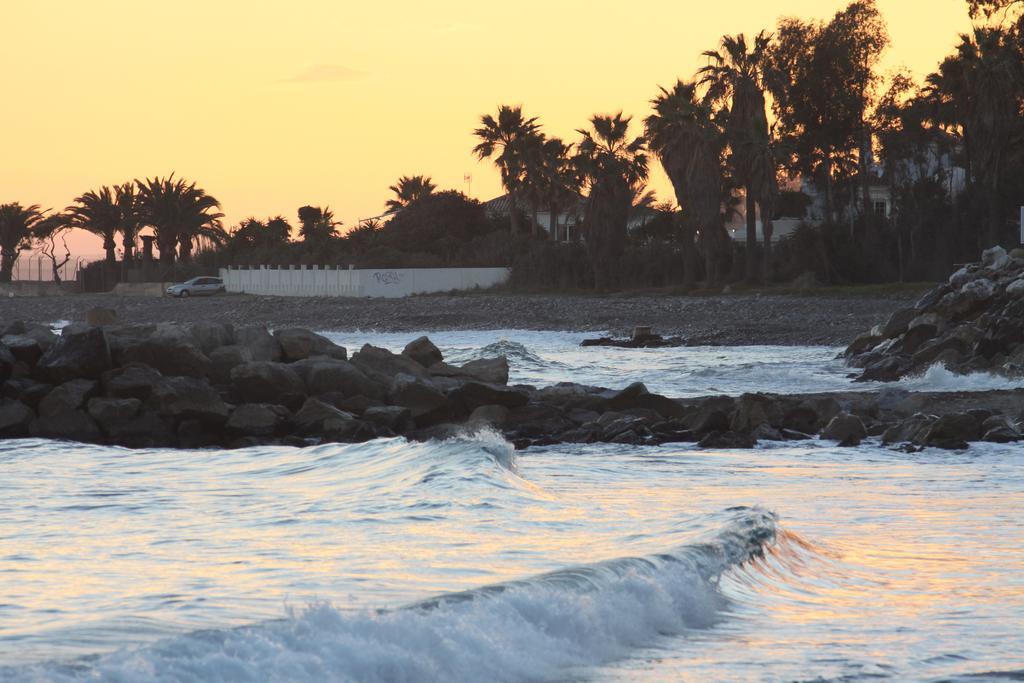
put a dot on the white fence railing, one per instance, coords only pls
(383, 282)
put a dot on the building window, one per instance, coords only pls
(880, 209)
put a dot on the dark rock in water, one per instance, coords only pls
(898, 322)
(297, 344)
(257, 419)
(912, 429)
(15, 418)
(323, 375)
(753, 410)
(7, 362)
(111, 412)
(267, 382)
(188, 398)
(145, 430)
(79, 353)
(886, 369)
(493, 415)
(260, 343)
(135, 380)
(427, 404)
(316, 418)
(423, 351)
(845, 428)
(626, 398)
(472, 395)
(710, 421)
(67, 397)
(489, 370)
(382, 366)
(71, 426)
(727, 441)
(397, 419)
(195, 433)
(26, 390)
(1000, 429)
(953, 431)
(652, 341)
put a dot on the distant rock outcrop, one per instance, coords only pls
(974, 322)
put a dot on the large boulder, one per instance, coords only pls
(67, 397)
(15, 418)
(183, 398)
(267, 382)
(22, 347)
(323, 375)
(257, 419)
(7, 361)
(1000, 429)
(135, 380)
(79, 353)
(382, 366)
(27, 390)
(397, 419)
(490, 370)
(953, 431)
(423, 351)
(310, 418)
(845, 428)
(72, 426)
(145, 430)
(426, 403)
(112, 412)
(261, 344)
(472, 395)
(210, 335)
(910, 430)
(225, 359)
(297, 343)
(169, 349)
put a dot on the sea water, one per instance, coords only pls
(463, 560)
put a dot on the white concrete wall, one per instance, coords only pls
(384, 282)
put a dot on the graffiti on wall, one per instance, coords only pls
(388, 277)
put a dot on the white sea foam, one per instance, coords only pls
(537, 629)
(938, 378)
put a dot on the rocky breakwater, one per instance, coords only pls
(972, 323)
(209, 384)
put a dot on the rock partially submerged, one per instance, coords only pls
(642, 338)
(972, 323)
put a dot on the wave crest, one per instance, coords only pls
(539, 628)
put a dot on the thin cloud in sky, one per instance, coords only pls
(325, 73)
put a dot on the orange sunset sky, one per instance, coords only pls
(272, 105)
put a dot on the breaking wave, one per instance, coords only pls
(540, 628)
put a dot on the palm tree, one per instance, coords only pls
(179, 213)
(407, 190)
(612, 166)
(685, 137)
(16, 225)
(317, 225)
(735, 80)
(127, 200)
(507, 139)
(550, 180)
(98, 212)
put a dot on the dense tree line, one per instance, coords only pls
(805, 102)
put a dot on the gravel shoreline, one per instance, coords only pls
(820, 318)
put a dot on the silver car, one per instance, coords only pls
(197, 286)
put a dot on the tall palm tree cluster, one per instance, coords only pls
(180, 214)
(805, 103)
